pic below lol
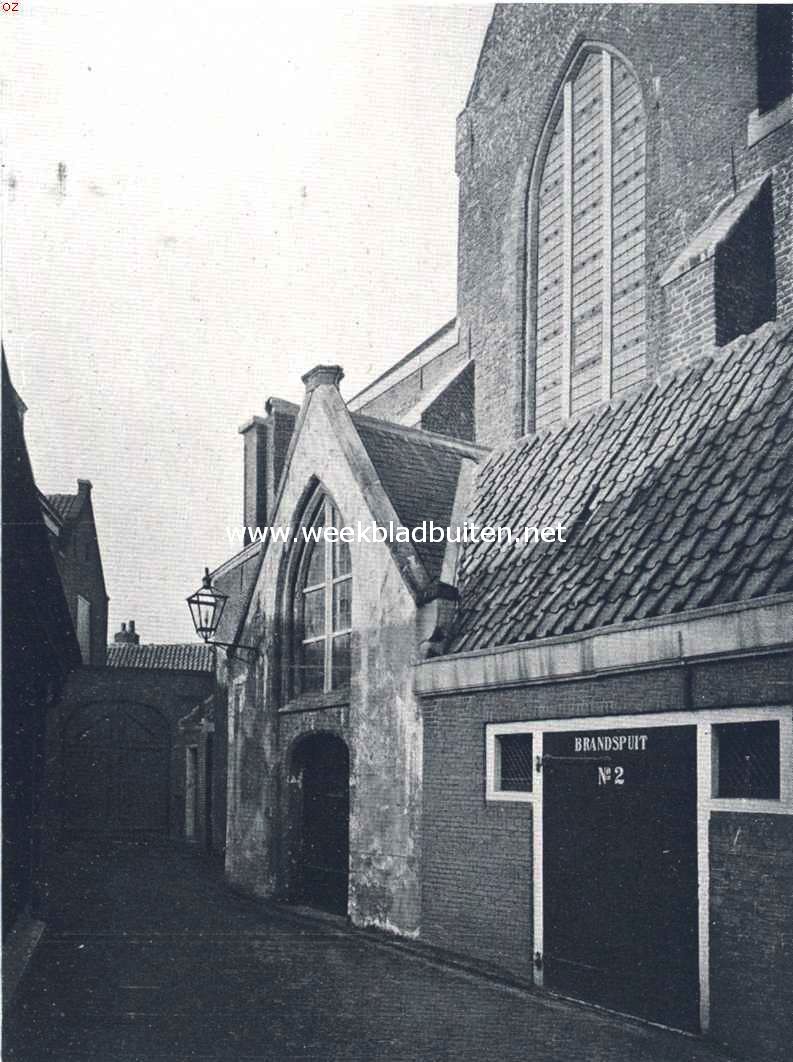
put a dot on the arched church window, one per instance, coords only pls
(589, 275)
(323, 606)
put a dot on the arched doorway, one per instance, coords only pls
(116, 770)
(321, 771)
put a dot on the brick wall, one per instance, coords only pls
(452, 412)
(476, 875)
(171, 694)
(745, 273)
(697, 103)
(751, 944)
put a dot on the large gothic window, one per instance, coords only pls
(323, 607)
(589, 277)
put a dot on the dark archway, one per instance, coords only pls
(320, 769)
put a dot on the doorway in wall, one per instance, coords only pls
(620, 916)
(321, 767)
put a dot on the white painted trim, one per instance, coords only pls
(493, 765)
(538, 903)
(704, 721)
(448, 338)
(766, 623)
(704, 786)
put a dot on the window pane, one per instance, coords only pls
(314, 613)
(341, 661)
(315, 569)
(342, 564)
(342, 605)
(516, 763)
(748, 758)
(312, 677)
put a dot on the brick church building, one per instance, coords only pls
(569, 760)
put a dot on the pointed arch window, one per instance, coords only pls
(589, 276)
(323, 607)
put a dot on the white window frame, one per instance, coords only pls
(493, 754)
(329, 584)
(704, 721)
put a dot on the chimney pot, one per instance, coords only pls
(323, 375)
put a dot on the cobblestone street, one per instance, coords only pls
(148, 955)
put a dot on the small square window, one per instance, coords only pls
(747, 760)
(515, 763)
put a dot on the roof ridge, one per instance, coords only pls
(421, 435)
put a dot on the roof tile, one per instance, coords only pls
(676, 498)
(184, 657)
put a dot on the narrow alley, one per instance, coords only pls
(150, 957)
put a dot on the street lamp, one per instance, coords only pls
(206, 608)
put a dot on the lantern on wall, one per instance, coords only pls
(206, 608)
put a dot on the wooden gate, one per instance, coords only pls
(116, 770)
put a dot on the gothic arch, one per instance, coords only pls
(612, 354)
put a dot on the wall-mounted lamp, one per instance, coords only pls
(206, 608)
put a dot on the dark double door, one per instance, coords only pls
(325, 814)
(620, 870)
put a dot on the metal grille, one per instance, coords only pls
(748, 760)
(515, 751)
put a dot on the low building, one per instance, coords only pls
(116, 750)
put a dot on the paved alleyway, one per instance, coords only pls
(149, 957)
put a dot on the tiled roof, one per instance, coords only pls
(188, 657)
(418, 471)
(66, 506)
(676, 499)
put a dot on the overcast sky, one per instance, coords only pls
(200, 202)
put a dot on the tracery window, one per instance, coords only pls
(323, 607)
(589, 276)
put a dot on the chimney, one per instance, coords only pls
(127, 635)
(254, 488)
(266, 441)
(330, 375)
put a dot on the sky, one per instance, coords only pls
(199, 203)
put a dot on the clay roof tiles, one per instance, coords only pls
(419, 471)
(66, 506)
(183, 657)
(675, 499)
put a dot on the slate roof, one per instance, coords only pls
(66, 506)
(419, 471)
(186, 657)
(678, 498)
